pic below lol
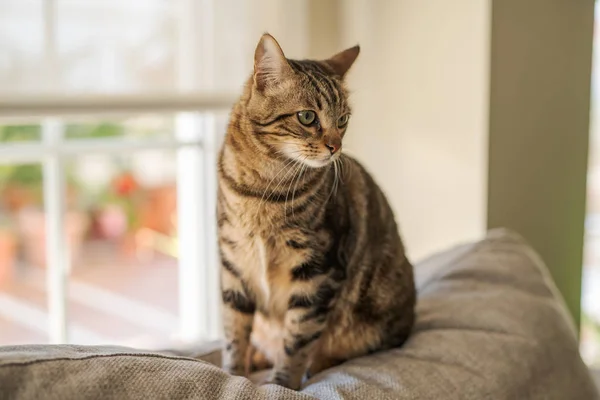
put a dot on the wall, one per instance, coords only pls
(420, 122)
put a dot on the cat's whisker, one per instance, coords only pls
(335, 176)
(299, 169)
(341, 174)
(342, 162)
(292, 156)
(286, 166)
(290, 153)
(333, 183)
(304, 166)
(287, 152)
(291, 169)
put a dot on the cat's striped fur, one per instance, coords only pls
(313, 269)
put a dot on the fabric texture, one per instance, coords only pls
(490, 325)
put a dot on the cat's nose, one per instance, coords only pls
(332, 148)
(333, 145)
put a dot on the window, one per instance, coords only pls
(133, 197)
(109, 131)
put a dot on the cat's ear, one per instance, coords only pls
(270, 64)
(342, 61)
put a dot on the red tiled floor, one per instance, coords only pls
(14, 334)
(112, 299)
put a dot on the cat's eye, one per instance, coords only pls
(343, 120)
(307, 117)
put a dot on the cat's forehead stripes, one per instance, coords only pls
(323, 85)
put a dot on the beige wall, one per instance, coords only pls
(420, 121)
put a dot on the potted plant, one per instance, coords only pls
(19, 183)
(137, 216)
(22, 196)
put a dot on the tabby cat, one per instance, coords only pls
(313, 269)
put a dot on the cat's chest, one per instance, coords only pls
(257, 217)
(266, 264)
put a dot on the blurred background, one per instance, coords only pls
(112, 111)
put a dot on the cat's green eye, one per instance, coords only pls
(307, 117)
(343, 120)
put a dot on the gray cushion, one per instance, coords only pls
(490, 325)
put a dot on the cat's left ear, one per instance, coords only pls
(342, 61)
(270, 64)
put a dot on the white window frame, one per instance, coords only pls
(194, 140)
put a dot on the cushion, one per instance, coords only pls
(490, 325)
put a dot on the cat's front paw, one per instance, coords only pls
(234, 370)
(283, 379)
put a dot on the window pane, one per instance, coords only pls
(129, 127)
(100, 46)
(23, 309)
(123, 287)
(21, 45)
(133, 46)
(121, 226)
(20, 133)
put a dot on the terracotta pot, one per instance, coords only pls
(8, 253)
(15, 197)
(158, 210)
(32, 228)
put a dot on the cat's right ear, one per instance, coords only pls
(270, 64)
(341, 62)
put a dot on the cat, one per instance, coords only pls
(314, 272)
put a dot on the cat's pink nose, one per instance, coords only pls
(332, 147)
